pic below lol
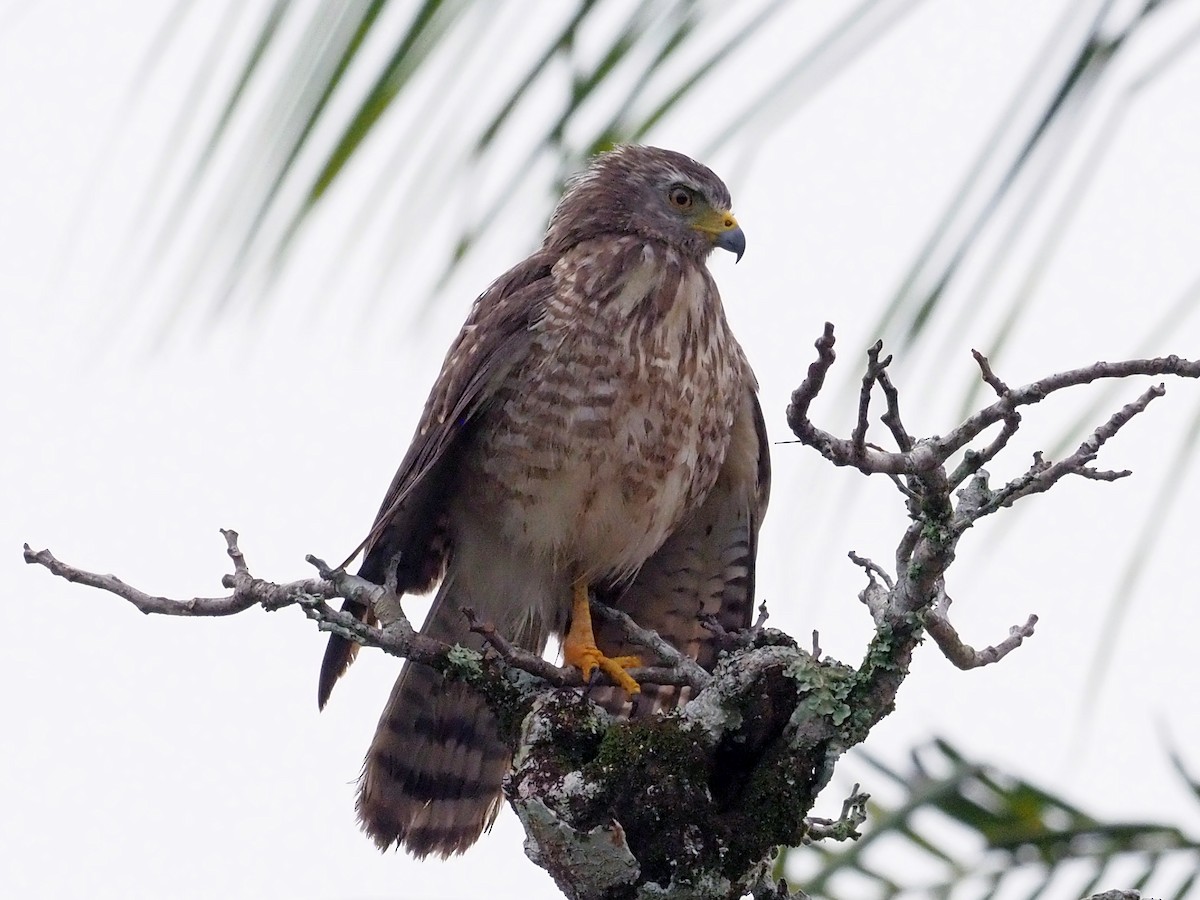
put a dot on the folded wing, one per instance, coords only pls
(409, 535)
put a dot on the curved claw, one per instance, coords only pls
(588, 659)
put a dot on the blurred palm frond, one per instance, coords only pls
(409, 93)
(964, 828)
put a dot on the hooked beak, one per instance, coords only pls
(733, 240)
(720, 227)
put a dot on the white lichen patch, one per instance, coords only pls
(711, 714)
(536, 729)
(716, 711)
(699, 886)
(575, 787)
(597, 860)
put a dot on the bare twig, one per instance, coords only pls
(518, 657)
(891, 417)
(1043, 475)
(898, 481)
(845, 827)
(974, 460)
(875, 596)
(725, 639)
(1038, 390)
(872, 569)
(234, 552)
(937, 623)
(804, 395)
(652, 641)
(875, 367)
(985, 370)
(397, 637)
(250, 594)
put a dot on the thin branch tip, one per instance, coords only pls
(962, 655)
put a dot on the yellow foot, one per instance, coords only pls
(580, 650)
(588, 659)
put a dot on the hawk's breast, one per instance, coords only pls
(624, 419)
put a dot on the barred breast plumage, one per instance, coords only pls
(617, 421)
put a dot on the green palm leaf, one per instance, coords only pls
(982, 832)
(317, 100)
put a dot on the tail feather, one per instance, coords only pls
(414, 549)
(339, 653)
(431, 781)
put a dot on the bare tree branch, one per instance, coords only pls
(395, 635)
(974, 460)
(937, 623)
(891, 417)
(902, 609)
(875, 368)
(1038, 390)
(1043, 475)
(247, 594)
(845, 826)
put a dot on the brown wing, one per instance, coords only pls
(409, 530)
(706, 567)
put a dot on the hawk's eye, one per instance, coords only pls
(681, 198)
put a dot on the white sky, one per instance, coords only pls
(162, 757)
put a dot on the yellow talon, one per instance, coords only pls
(580, 650)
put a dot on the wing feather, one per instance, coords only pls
(408, 536)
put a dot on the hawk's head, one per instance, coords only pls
(655, 194)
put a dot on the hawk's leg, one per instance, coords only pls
(579, 646)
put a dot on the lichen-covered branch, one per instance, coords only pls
(945, 504)
(734, 773)
(845, 826)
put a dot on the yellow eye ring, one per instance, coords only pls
(681, 198)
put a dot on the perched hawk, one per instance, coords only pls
(594, 429)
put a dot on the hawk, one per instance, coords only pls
(594, 432)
